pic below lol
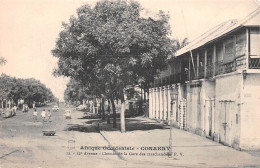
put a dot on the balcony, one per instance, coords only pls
(220, 68)
(223, 68)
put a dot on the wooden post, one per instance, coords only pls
(247, 49)
(189, 69)
(205, 64)
(214, 59)
(234, 52)
(180, 71)
(198, 64)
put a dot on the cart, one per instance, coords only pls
(48, 133)
(47, 129)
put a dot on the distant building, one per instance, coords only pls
(212, 86)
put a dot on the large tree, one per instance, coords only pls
(111, 45)
(28, 89)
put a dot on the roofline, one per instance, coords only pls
(215, 39)
(240, 24)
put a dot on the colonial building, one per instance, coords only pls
(212, 86)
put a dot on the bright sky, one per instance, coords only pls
(29, 28)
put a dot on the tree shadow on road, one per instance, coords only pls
(131, 124)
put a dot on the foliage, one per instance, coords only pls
(75, 92)
(112, 40)
(110, 46)
(28, 89)
(178, 43)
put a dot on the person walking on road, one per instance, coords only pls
(43, 114)
(35, 114)
(49, 114)
(14, 109)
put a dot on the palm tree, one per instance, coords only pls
(180, 43)
(2, 61)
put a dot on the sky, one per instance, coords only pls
(29, 29)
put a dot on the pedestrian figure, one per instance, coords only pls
(23, 108)
(49, 114)
(43, 114)
(15, 108)
(35, 114)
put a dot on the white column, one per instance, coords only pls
(162, 107)
(165, 103)
(157, 102)
(153, 103)
(169, 101)
(150, 102)
(161, 102)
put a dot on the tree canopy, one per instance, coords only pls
(75, 92)
(111, 45)
(28, 89)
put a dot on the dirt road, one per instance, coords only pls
(22, 143)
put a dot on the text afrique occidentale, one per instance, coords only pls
(143, 148)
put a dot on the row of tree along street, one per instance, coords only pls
(113, 45)
(16, 91)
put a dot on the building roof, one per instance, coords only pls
(220, 30)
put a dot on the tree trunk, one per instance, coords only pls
(147, 104)
(114, 113)
(122, 116)
(108, 109)
(103, 108)
(144, 95)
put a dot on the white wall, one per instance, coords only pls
(250, 115)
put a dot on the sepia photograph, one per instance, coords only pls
(129, 83)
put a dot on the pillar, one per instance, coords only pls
(198, 65)
(214, 59)
(150, 103)
(154, 103)
(165, 103)
(169, 101)
(205, 63)
(162, 103)
(157, 103)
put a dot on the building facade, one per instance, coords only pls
(212, 86)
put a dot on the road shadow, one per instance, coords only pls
(82, 128)
(131, 124)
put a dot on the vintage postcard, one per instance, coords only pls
(129, 83)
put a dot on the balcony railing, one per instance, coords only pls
(172, 79)
(209, 70)
(220, 68)
(254, 63)
(223, 68)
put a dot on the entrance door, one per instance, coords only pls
(226, 122)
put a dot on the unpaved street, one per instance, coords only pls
(79, 143)
(22, 143)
